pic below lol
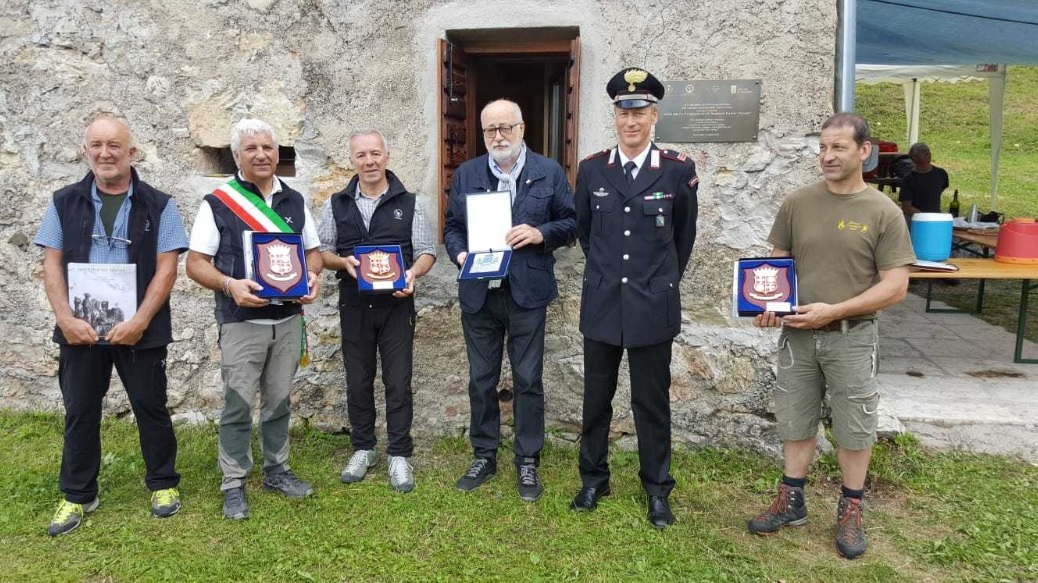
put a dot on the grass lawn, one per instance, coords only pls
(929, 518)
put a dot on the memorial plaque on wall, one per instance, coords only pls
(709, 111)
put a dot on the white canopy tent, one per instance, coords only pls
(910, 77)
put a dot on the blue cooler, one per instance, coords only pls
(932, 236)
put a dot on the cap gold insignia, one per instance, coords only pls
(634, 76)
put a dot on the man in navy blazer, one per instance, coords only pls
(543, 219)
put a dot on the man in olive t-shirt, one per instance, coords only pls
(852, 252)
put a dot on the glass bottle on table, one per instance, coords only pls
(953, 208)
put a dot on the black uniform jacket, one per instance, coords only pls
(637, 242)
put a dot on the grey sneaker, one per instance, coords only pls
(401, 476)
(358, 466)
(288, 484)
(530, 487)
(788, 509)
(850, 533)
(165, 503)
(69, 516)
(235, 506)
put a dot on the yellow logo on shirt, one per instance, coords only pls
(855, 226)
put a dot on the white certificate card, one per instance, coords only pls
(489, 218)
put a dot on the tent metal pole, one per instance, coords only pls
(846, 51)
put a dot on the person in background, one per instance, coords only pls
(922, 187)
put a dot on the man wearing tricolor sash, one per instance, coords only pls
(260, 341)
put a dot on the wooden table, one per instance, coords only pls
(982, 269)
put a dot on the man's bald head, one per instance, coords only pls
(108, 146)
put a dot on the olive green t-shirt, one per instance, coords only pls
(840, 241)
(110, 205)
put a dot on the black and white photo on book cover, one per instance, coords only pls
(103, 294)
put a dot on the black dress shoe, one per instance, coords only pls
(587, 499)
(660, 515)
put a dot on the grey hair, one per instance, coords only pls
(515, 107)
(368, 132)
(104, 115)
(918, 148)
(250, 127)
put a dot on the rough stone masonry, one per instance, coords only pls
(183, 71)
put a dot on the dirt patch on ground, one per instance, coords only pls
(995, 374)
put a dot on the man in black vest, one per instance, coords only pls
(376, 209)
(543, 220)
(112, 217)
(636, 219)
(261, 343)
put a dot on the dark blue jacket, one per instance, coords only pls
(543, 200)
(637, 240)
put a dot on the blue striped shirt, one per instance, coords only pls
(172, 236)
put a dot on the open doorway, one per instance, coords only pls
(541, 73)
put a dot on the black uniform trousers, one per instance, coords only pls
(84, 374)
(367, 333)
(485, 332)
(650, 402)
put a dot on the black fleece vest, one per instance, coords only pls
(76, 212)
(230, 257)
(390, 225)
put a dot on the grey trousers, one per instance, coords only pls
(256, 358)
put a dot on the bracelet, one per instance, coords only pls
(227, 286)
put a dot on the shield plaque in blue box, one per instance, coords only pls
(764, 284)
(382, 268)
(276, 261)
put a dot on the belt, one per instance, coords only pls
(837, 325)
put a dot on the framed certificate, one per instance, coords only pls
(277, 262)
(381, 270)
(489, 218)
(764, 284)
(486, 265)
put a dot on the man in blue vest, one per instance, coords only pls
(516, 306)
(112, 217)
(375, 208)
(261, 342)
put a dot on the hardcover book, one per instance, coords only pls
(103, 294)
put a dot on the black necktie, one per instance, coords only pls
(629, 171)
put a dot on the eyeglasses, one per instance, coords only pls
(506, 130)
(114, 242)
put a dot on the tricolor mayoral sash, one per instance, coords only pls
(274, 254)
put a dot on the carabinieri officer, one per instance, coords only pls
(636, 221)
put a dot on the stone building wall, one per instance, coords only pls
(183, 71)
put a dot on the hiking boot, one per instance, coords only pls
(358, 466)
(235, 506)
(401, 476)
(850, 534)
(69, 516)
(288, 484)
(165, 503)
(480, 471)
(530, 487)
(788, 509)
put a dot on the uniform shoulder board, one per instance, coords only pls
(672, 155)
(596, 155)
